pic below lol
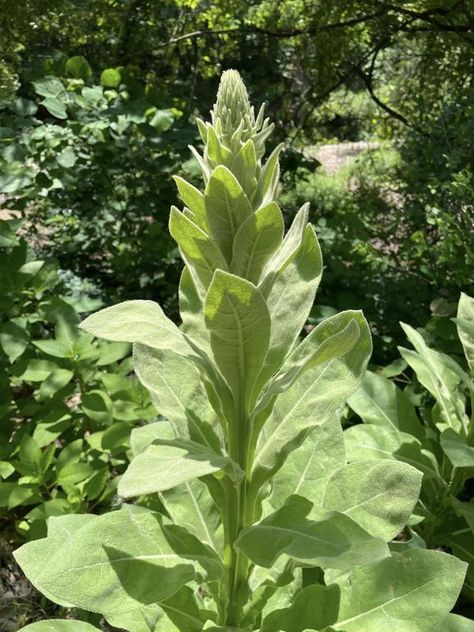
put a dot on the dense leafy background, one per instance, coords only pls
(97, 106)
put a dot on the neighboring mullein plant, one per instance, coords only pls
(248, 517)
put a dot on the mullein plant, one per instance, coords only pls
(246, 515)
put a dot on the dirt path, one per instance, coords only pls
(338, 155)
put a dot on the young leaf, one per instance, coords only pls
(198, 250)
(238, 319)
(255, 241)
(194, 200)
(290, 297)
(437, 377)
(227, 208)
(457, 450)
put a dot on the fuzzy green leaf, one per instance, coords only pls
(238, 319)
(316, 606)
(115, 562)
(409, 591)
(227, 208)
(199, 251)
(321, 453)
(330, 540)
(380, 401)
(255, 241)
(379, 496)
(311, 400)
(60, 625)
(162, 467)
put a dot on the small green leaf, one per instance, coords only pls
(227, 208)
(98, 406)
(200, 253)
(110, 78)
(78, 67)
(55, 107)
(13, 340)
(67, 158)
(193, 199)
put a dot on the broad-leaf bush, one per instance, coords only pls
(255, 521)
(92, 164)
(67, 404)
(436, 436)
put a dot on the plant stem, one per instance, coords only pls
(240, 516)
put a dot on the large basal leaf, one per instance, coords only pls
(199, 251)
(329, 540)
(465, 325)
(178, 392)
(114, 563)
(321, 453)
(316, 606)
(255, 241)
(227, 208)
(162, 467)
(379, 401)
(379, 496)
(408, 592)
(60, 625)
(311, 400)
(238, 319)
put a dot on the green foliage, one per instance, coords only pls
(429, 424)
(244, 400)
(91, 163)
(380, 222)
(67, 404)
